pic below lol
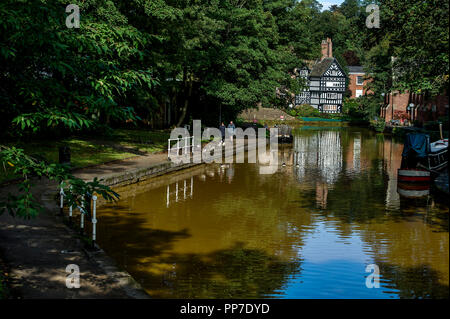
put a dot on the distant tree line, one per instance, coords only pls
(160, 62)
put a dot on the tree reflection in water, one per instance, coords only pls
(244, 235)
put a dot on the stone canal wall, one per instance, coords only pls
(134, 176)
(144, 171)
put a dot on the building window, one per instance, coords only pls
(359, 80)
(332, 96)
(359, 93)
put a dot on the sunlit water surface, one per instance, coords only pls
(307, 231)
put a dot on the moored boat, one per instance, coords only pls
(420, 156)
(421, 162)
(413, 189)
(413, 175)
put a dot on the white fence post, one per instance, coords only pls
(185, 149)
(168, 148)
(82, 215)
(61, 203)
(83, 212)
(94, 220)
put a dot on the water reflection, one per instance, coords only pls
(319, 151)
(308, 231)
(186, 189)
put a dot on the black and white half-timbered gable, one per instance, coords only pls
(327, 84)
(304, 96)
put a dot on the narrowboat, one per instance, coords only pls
(421, 162)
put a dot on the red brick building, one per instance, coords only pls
(414, 107)
(357, 81)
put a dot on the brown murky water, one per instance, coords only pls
(307, 231)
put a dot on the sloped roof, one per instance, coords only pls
(320, 68)
(310, 63)
(355, 69)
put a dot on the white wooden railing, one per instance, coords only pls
(182, 146)
(83, 212)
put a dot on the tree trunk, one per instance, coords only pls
(187, 95)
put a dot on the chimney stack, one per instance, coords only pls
(327, 48)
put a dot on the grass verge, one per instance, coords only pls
(87, 151)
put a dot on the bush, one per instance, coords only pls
(378, 125)
(350, 106)
(364, 108)
(401, 115)
(305, 110)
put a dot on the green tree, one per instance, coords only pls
(416, 34)
(55, 77)
(52, 75)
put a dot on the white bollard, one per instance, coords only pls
(82, 215)
(70, 207)
(94, 219)
(61, 201)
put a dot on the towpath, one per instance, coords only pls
(37, 251)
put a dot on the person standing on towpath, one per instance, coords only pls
(231, 128)
(222, 131)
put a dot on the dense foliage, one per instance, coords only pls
(160, 62)
(410, 50)
(304, 110)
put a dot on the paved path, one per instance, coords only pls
(37, 251)
(117, 167)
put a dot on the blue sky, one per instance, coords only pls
(327, 3)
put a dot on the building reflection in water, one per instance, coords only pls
(357, 153)
(320, 153)
(392, 157)
(353, 155)
(261, 236)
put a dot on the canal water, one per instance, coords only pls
(317, 228)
